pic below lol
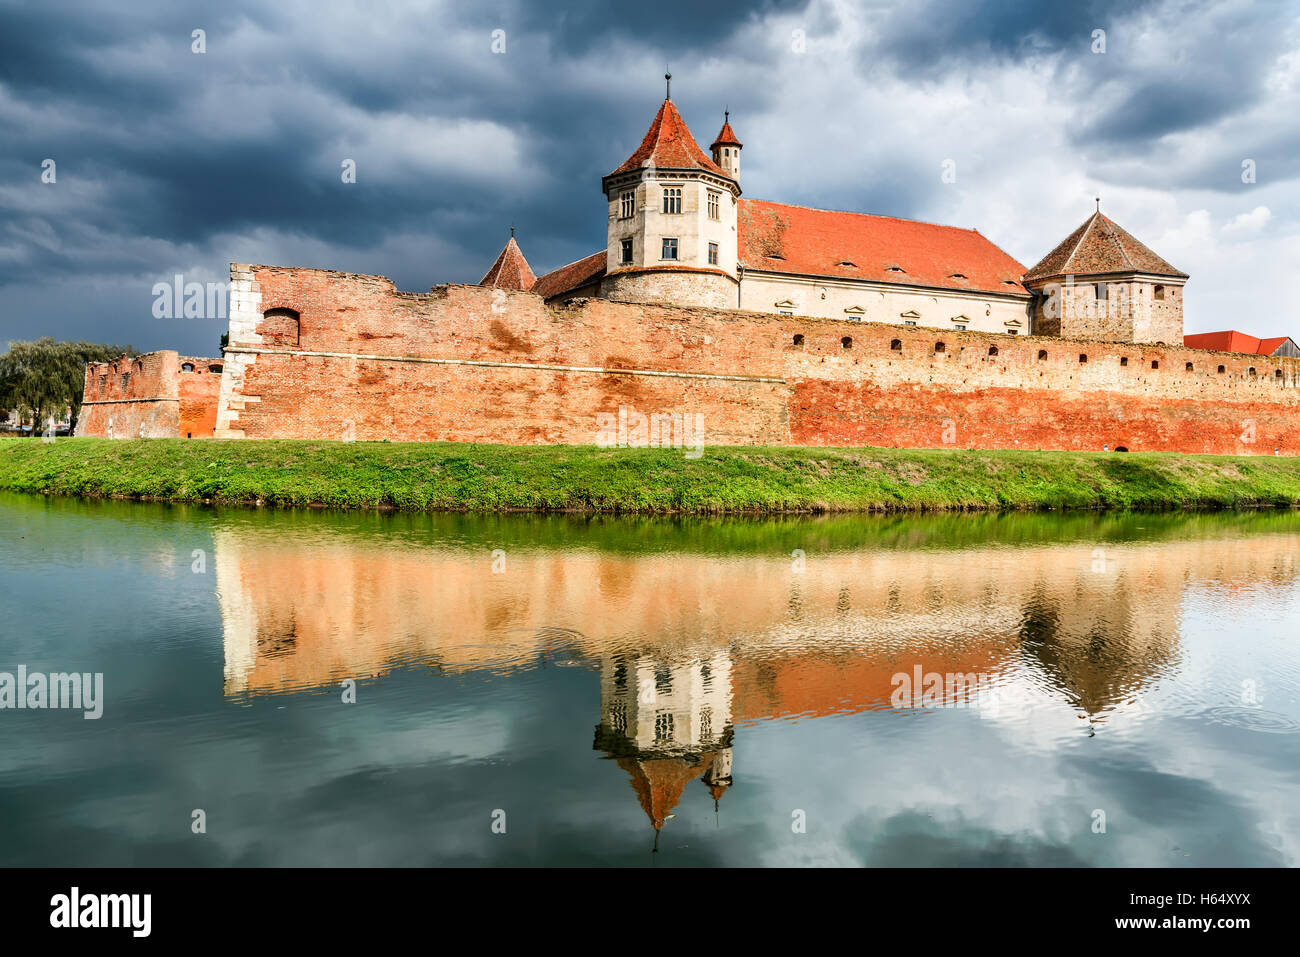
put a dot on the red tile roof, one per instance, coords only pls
(1097, 247)
(726, 137)
(668, 144)
(818, 242)
(511, 270)
(575, 274)
(1233, 341)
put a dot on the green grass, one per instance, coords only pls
(585, 478)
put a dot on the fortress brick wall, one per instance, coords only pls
(156, 395)
(319, 354)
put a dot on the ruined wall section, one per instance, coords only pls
(159, 395)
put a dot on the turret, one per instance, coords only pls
(726, 148)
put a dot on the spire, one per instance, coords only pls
(668, 86)
(511, 270)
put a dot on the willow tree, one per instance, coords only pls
(44, 378)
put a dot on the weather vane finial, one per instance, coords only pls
(1099, 204)
(668, 84)
(512, 230)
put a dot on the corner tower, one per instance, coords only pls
(1102, 283)
(672, 220)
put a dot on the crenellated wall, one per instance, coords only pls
(319, 354)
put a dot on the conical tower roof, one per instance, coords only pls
(511, 270)
(668, 144)
(727, 136)
(1097, 247)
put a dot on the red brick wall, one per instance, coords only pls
(150, 397)
(372, 384)
(198, 391)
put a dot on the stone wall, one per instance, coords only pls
(466, 363)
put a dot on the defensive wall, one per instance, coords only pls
(320, 354)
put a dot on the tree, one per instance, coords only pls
(45, 378)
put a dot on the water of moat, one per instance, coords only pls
(1112, 689)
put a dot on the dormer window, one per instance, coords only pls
(672, 201)
(956, 275)
(899, 269)
(851, 265)
(626, 205)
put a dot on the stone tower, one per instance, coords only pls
(1101, 283)
(672, 219)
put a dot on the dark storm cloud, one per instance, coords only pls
(170, 161)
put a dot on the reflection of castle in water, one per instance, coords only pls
(666, 724)
(1092, 632)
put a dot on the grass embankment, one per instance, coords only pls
(584, 478)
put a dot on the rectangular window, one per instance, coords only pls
(626, 202)
(714, 196)
(670, 249)
(909, 322)
(960, 328)
(1102, 291)
(625, 251)
(672, 199)
(713, 254)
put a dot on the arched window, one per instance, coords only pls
(279, 327)
(1155, 363)
(896, 345)
(940, 347)
(1251, 372)
(798, 339)
(1277, 374)
(1222, 370)
(187, 366)
(1159, 292)
(847, 342)
(215, 367)
(1042, 355)
(993, 350)
(1190, 367)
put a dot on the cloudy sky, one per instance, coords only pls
(172, 161)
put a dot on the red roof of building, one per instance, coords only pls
(1233, 341)
(575, 274)
(1101, 246)
(819, 242)
(668, 144)
(511, 270)
(726, 137)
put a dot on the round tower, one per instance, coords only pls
(672, 220)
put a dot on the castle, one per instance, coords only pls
(680, 234)
(754, 322)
